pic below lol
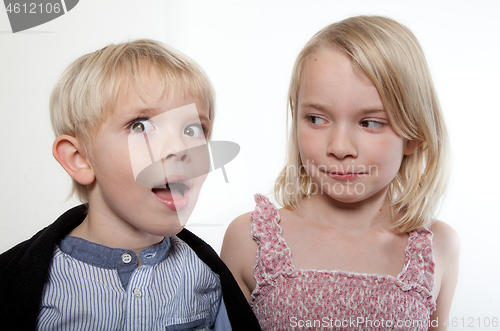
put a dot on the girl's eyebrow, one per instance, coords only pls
(370, 110)
(362, 111)
(313, 105)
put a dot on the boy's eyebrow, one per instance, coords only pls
(204, 118)
(149, 112)
(152, 112)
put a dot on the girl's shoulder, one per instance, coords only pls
(446, 249)
(264, 209)
(445, 242)
(239, 229)
(239, 249)
(260, 224)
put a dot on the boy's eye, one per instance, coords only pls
(315, 119)
(371, 124)
(195, 131)
(141, 126)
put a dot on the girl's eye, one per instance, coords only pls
(371, 124)
(141, 126)
(195, 131)
(315, 119)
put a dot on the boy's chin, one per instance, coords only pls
(178, 219)
(169, 230)
(173, 232)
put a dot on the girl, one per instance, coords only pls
(356, 246)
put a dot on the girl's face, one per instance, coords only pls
(346, 143)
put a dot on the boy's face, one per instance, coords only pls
(149, 160)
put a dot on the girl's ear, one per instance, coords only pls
(69, 153)
(411, 146)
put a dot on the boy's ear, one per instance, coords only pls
(412, 145)
(69, 153)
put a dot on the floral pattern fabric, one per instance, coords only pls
(286, 298)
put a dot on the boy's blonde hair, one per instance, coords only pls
(388, 54)
(86, 92)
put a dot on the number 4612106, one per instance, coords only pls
(33, 8)
(471, 322)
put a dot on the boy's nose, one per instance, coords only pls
(181, 155)
(342, 144)
(174, 149)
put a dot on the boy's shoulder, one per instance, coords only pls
(25, 267)
(43, 241)
(203, 251)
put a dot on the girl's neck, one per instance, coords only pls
(355, 218)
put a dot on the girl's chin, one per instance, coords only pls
(347, 199)
(344, 197)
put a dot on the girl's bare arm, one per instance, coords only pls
(239, 253)
(446, 247)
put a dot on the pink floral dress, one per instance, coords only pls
(287, 298)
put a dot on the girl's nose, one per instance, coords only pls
(342, 144)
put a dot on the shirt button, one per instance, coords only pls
(137, 293)
(126, 258)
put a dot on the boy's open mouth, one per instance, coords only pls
(174, 195)
(170, 190)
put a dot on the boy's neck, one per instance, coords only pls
(101, 230)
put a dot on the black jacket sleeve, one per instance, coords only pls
(239, 312)
(24, 270)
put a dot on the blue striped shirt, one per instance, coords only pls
(94, 287)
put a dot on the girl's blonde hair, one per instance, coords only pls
(87, 90)
(388, 54)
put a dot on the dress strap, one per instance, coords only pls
(419, 270)
(273, 255)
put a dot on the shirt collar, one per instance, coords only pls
(123, 260)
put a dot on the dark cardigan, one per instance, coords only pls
(24, 269)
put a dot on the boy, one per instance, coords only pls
(131, 122)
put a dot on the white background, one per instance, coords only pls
(248, 49)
